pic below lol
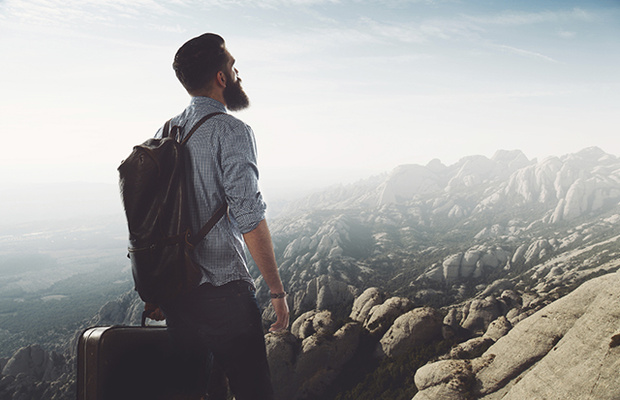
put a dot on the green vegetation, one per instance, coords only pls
(51, 316)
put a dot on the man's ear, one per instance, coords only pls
(221, 78)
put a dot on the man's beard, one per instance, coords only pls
(235, 97)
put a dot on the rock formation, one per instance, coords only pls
(381, 317)
(36, 363)
(364, 304)
(304, 367)
(417, 327)
(568, 350)
(33, 373)
(471, 253)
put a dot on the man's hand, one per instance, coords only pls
(281, 307)
(154, 312)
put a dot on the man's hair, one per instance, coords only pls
(198, 60)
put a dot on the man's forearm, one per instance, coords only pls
(261, 248)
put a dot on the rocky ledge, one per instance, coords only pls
(567, 350)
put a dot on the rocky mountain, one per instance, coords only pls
(487, 242)
(473, 266)
(434, 233)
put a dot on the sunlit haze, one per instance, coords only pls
(340, 90)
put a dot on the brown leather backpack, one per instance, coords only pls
(152, 184)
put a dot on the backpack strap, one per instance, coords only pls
(174, 132)
(194, 240)
(198, 124)
(166, 131)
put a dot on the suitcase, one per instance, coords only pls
(131, 362)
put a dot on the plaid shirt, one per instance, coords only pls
(222, 159)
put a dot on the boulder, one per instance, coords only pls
(312, 322)
(381, 317)
(282, 348)
(472, 348)
(498, 328)
(324, 292)
(418, 326)
(448, 379)
(321, 360)
(537, 251)
(364, 303)
(305, 368)
(452, 267)
(481, 313)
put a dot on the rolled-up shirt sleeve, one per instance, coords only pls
(240, 176)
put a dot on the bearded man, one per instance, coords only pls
(221, 317)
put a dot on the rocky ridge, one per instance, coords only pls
(464, 253)
(499, 357)
(436, 232)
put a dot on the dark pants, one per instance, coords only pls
(224, 322)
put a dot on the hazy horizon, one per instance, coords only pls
(339, 89)
(22, 204)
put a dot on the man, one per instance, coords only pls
(221, 316)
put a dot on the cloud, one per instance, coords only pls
(567, 34)
(81, 12)
(526, 53)
(519, 18)
(399, 32)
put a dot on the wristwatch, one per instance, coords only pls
(278, 295)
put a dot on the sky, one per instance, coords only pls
(340, 89)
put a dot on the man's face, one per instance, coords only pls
(235, 97)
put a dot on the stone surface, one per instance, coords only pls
(498, 328)
(381, 317)
(304, 368)
(583, 362)
(321, 359)
(323, 293)
(364, 303)
(568, 350)
(281, 354)
(35, 362)
(450, 378)
(480, 313)
(312, 322)
(471, 348)
(417, 327)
